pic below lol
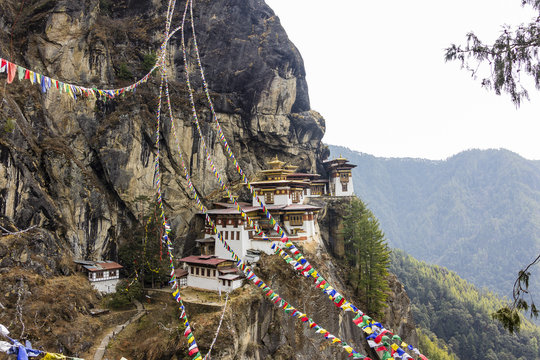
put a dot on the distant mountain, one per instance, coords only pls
(477, 213)
(455, 315)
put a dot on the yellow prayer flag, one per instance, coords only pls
(394, 347)
(52, 356)
(368, 330)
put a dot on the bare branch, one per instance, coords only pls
(7, 232)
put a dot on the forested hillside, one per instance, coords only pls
(477, 213)
(459, 314)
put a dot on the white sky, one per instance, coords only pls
(376, 72)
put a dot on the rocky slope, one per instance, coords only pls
(254, 329)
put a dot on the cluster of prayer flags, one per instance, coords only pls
(300, 263)
(46, 83)
(23, 352)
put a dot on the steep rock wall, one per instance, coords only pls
(83, 170)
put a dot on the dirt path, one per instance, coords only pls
(98, 355)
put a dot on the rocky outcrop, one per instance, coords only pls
(83, 170)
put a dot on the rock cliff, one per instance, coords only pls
(83, 170)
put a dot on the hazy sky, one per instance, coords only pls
(376, 72)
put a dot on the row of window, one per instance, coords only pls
(230, 221)
(234, 234)
(295, 196)
(100, 274)
(193, 270)
(200, 271)
(343, 188)
(296, 220)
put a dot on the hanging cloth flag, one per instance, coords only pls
(5, 346)
(52, 356)
(11, 71)
(20, 72)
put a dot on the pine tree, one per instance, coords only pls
(368, 254)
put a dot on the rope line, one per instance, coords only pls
(248, 272)
(377, 333)
(207, 356)
(301, 264)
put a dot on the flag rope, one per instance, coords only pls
(300, 263)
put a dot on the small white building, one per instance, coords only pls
(181, 277)
(103, 275)
(212, 273)
(340, 176)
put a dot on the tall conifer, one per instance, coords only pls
(368, 255)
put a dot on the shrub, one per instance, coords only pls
(124, 73)
(149, 60)
(9, 126)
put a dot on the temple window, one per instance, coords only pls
(296, 220)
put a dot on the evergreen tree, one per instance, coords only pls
(143, 253)
(368, 254)
(513, 54)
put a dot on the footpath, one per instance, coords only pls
(105, 342)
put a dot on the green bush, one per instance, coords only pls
(9, 126)
(124, 73)
(125, 293)
(149, 60)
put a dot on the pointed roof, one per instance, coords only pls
(276, 163)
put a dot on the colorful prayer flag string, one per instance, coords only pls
(301, 264)
(248, 272)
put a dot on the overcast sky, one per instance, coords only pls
(376, 72)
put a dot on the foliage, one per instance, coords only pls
(143, 253)
(514, 53)
(123, 72)
(433, 347)
(9, 126)
(149, 60)
(508, 315)
(126, 291)
(459, 314)
(463, 213)
(368, 255)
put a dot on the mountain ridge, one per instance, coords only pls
(476, 213)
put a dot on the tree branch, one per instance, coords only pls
(7, 232)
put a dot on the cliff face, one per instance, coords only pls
(83, 170)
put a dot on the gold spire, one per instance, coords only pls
(275, 163)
